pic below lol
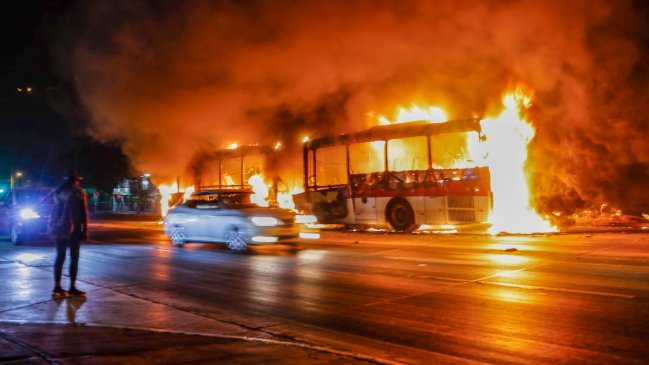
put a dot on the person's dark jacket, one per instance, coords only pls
(70, 212)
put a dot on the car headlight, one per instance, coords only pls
(305, 219)
(28, 213)
(266, 221)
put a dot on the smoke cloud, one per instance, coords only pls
(171, 79)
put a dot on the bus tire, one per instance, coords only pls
(400, 216)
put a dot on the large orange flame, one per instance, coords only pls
(167, 193)
(261, 193)
(505, 152)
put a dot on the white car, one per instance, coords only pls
(227, 215)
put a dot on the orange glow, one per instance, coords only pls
(505, 152)
(508, 259)
(167, 196)
(233, 146)
(261, 193)
(228, 180)
(432, 114)
(285, 200)
(260, 190)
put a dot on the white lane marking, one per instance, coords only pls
(563, 290)
(349, 354)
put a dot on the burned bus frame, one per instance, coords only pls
(398, 205)
(240, 153)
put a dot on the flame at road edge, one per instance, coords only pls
(505, 152)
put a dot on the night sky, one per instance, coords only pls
(162, 81)
(43, 125)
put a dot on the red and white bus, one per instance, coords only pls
(402, 175)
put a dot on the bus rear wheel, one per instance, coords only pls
(400, 215)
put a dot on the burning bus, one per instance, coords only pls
(402, 175)
(240, 167)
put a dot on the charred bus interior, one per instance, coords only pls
(233, 169)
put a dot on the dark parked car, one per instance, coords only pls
(228, 216)
(24, 213)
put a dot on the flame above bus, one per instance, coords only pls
(504, 151)
(432, 114)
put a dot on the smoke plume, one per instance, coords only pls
(170, 79)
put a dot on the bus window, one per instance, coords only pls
(367, 157)
(449, 150)
(331, 166)
(408, 154)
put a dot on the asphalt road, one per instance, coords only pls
(358, 297)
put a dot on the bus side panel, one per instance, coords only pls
(418, 208)
(364, 209)
(435, 208)
(461, 209)
(381, 203)
(483, 208)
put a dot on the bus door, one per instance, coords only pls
(365, 208)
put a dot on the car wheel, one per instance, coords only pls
(15, 236)
(400, 215)
(177, 236)
(235, 240)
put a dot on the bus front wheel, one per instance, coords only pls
(400, 215)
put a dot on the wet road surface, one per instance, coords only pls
(348, 297)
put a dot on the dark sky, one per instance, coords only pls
(43, 126)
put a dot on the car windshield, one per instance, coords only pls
(216, 200)
(34, 196)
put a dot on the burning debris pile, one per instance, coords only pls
(173, 80)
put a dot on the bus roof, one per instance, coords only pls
(241, 151)
(394, 131)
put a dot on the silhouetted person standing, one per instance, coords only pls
(68, 226)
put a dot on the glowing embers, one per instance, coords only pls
(505, 152)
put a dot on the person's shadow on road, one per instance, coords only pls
(73, 305)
